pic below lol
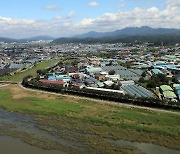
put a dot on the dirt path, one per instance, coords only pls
(104, 101)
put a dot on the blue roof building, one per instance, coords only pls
(157, 71)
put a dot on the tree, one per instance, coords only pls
(38, 71)
(143, 74)
(157, 80)
(111, 72)
(115, 87)
(42, 72)
(141, 80)
(74, 62)
(152, 84)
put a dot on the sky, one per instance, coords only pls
(63, 18)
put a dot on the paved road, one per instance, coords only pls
(13, 82)
(4, 85)
(105, 102)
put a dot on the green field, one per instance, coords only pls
(17, 77)
(118, 122)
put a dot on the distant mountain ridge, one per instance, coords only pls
(130, 31)
(90, 36)
(7, 40)
(36, 38)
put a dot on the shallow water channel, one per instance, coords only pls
(25, 124)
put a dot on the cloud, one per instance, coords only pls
(85, 22)
(71, 15)
(120, 6)
(22, 28)
(63, 26)
(93, 4)
(58, 17)
(167, 18)
(53, 8)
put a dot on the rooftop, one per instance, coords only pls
(166, 88)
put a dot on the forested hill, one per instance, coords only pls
(170, 39)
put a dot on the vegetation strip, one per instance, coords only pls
(110, 96)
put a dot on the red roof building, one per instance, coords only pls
(61, 82)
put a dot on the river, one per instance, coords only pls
(11, 122)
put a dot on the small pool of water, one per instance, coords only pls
(146, 148)
(10, 145)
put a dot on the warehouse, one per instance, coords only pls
(128, 74)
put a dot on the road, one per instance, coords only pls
(4, 85)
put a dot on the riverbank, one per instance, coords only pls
(94, 124)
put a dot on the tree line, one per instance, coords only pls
(33, 83)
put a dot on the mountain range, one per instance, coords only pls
(130, 31)
(129, 34)
(90, 36)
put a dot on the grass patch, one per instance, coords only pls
(36, 105)
(97, 120)
(86, 102)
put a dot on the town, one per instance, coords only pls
(137, 70)
(90, 77)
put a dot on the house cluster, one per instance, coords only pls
(107, 66)
(172, 72)
(99, 74)
(163, 61)
(19, 57)
(121, 72)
